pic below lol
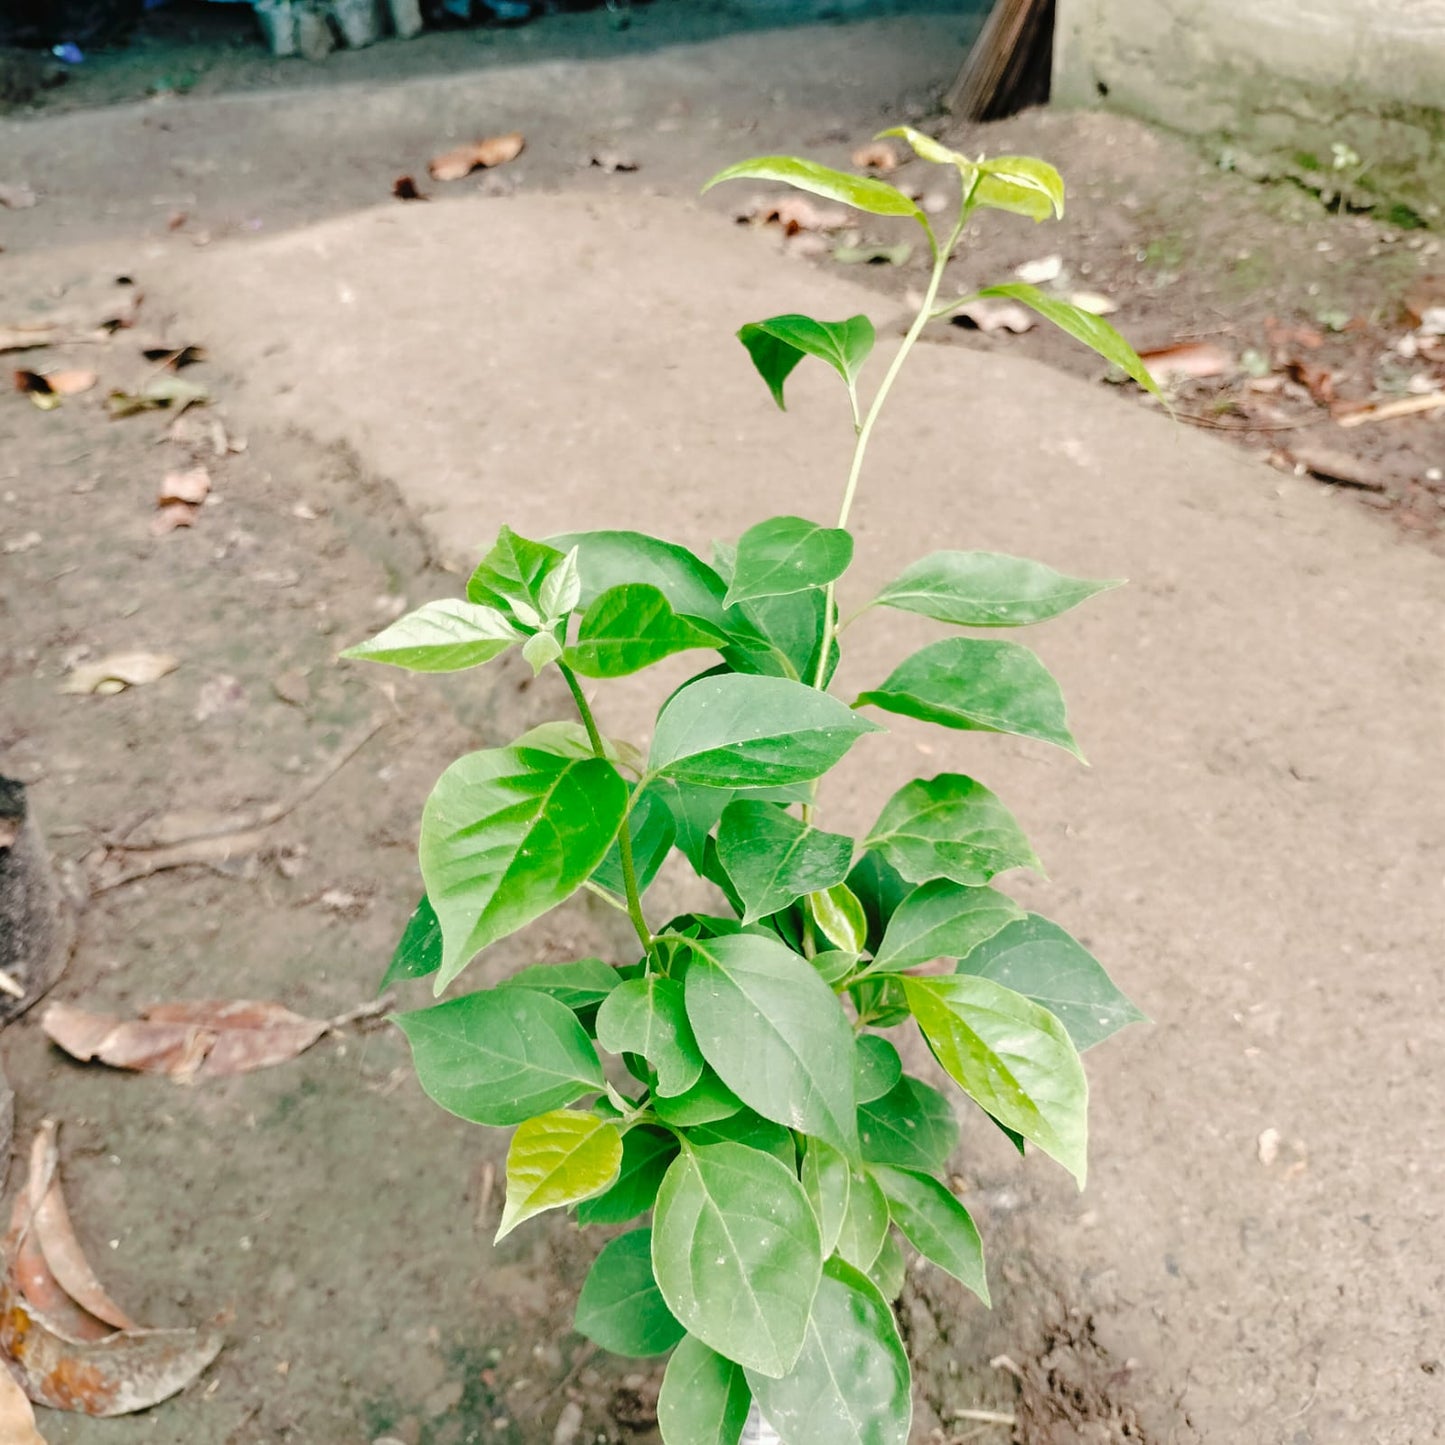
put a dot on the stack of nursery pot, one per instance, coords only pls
(754, 1129)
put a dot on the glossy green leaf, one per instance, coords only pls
(646, 1016)
(1012, 1057)
(570, 740)
(561, 590)
(746, 1127)
(936, 1225)
(1022, 184)
(775, 1034)
(890, 1268)
(620, 1306)
(826, 1178)
(942, 920)
(986, 589)
(840, 917)
(878, 1067)
(1038, 959)
(419, 951)
(646, 1154)
(704, 1399)
(631, 627)
(1093, 331)
(752, 731)
(865, 1223)
(833, 964)
(880, 888)
(863, 193)
(878, 1000)
(773, 858)
(580, 986)
(851, 1383)
(736, 1253)
(785, 555)
(541, 649)
(912, 1127)
(502, 1055)
(512, 572)
(705, 1103)
(949, 827)
(792, 624)
(780, 343)
(557, 1159)
(508, 834)
(979, 685)
(444, 636)
(653, 832)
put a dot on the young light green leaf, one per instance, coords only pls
(851, 1383)
(1039, 960)
(775, 1034)
(911, 1127)
(826, 1178)
(736, 1252)
(785, 555)
(508, 834)
(647, 1016)
(540, 649)
(704, 1399)
(1012, 1057)
(1024, 185)
(419, 952)
(780, 343)
(878, 1067)
(773, 858)
(708, 1101)
(865, 1224)
(1093, 331)
(978, 685)
(652, 830)
(513, 572)
(941, 920)
(834, 964)
(646, 1153)
(986, 589)
(926, 148)
(579, 986)
(444, 636)
(560, 590)
(736, 730)
(840, 917)
(631, 627)
(557, 1159)
(936, 1225)
(621, 1307)
(890, 1268)
(863, 193)
(949, 827)
(502, 1055)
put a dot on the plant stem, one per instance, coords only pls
(624, 835)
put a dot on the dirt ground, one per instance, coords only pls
(332, 1221)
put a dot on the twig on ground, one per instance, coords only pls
(362, 1013)
(987, 1417)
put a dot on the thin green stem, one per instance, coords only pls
(624, 834)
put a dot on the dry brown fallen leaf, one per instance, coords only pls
(119, 671)
(993, 314)
(1187, 361)
(17, 1419)
(612, 162)
(191, 486)
(404, 188)
(186, 1041)
(1392, 410)
(495, 150)
(26, 337)
(878, 156)
(173, 358)
(171, 515)
(37, 388)
(793, 214)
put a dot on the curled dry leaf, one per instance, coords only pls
(191, 487)
(1094, 302)
(876, 156)
(404, 188)
(1319, 381)
(186, 1041)
(119, 671)
(794, 214)
(1188, 361)
(165, 390)
(17, 1419)
(1042, 271)
(612, 162)
(37, 388)
(171, 515)
(993, 314)
(174, 357)
(27, 337)
(461, 161)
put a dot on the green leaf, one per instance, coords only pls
(986, 589)
(540, 649)
(865, 1224)
(833, 964)
(890, 1268)
(646, 1153)
(508, 834)
(773, 858)
(512, 572)
(785, 555)
(736, 1253)
(911, 1127)
(647, 1016)
(653, 831)
(704, 1399)
(863, 193)
(762, 731)
(631, 627)
(1093, 331)
(851, 1384)
(444, 636)
(978, 685)
(705, 1103)
(1038, 959)
(879, 1000)
(880, 888)
(419, 952)
(621, 1307)
(1010, 1056)
(557, 1159)
(840, 917)
(1022, 184)
(793, 627)
(949, 827)
(878, 1067)
(826, 1179)
(501, 1056)
(579, 986)
(746, 1127)
(560, 591)
(936, 1225)
(570, 740)
(780, 343)
(776, 1035)
(942, 920)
